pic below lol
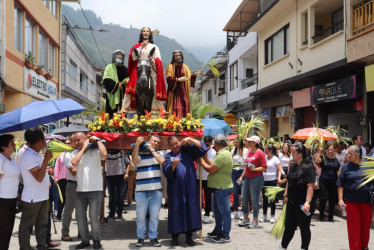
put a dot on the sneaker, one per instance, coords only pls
(140, 243)
(206, 219)
(82, 245)
(225, 239)
(253, 225)
(190, 242)
(155, 243)
(280, 248)
(212, 234)
(263, 219)
(217, 239)
(111, 216)
(119, 216)
(272, 220)
(244, 222)
(241, 216)
(97, 244)
(235, 215)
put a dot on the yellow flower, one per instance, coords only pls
(189, 127)
(189, 116)
(188, 122)
(194, 126)
(106, 115)
(89, 126)
(98, 127)
(94, 128)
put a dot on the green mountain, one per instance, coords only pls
(119, 37)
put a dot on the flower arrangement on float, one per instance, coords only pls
(148, 123)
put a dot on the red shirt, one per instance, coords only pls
(258, 159)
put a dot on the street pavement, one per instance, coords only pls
(121, 234)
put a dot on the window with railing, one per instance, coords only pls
(337, 24)
(250, 81)
(362, 16)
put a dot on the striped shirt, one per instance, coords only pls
(148, 176)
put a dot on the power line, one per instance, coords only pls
(93, 35)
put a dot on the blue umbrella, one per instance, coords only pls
(214, 127)
(38, 113)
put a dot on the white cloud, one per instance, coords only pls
(193, 23)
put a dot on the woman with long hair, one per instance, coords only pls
(9, 180)
(298, 195)
(254, 179)
(327, 181)
(356, 201)
(271, 179)
(238, 156)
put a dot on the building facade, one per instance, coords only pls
(31, 34)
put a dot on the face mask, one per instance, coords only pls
(118, 60)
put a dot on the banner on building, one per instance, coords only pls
(230, 119)
(301, 98)
(265, 114)
(283, 111)
(369, 78)
(37, 85)
(341, 89)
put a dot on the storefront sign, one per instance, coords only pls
(39, 86)
(283, 111)
(341, 89)
(301, 98)
(265, 114)
(359, 105)
(230, 119)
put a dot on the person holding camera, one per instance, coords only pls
(87, 161)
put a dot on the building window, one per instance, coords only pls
(234, 76)
(42, 49)
(52, 59)
(92, 89)
(29, 37)
(18, 28)
(209, 95)
(277, 45)
(51, 5)
(83, 82)
(73, 70)
(337, 20)
(215, 86)
(304, 28)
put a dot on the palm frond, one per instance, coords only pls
(198, 110)
(271, 192)
(368, 177)
(278, 227)
(339, 133)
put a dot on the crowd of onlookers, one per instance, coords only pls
(233, 176)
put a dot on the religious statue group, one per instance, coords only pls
(141, 86)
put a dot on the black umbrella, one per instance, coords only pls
(71, 129)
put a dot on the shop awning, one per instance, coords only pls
(231, 107)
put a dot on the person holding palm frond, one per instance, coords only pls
(355, 199)
(329, 166)
(298, 193)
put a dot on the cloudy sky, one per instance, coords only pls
(196, 24)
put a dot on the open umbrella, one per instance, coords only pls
(38, 113)
(69, 130)
(214, 127)
(305, 133)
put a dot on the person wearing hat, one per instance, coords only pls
(219, 179)
(254, 180)
(115, 76)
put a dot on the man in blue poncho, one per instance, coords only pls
(184, 209)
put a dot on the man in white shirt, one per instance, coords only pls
(36, 190)
(87, 161)
(340, 154)
(70, 194)
(357, 140)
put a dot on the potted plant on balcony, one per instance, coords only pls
(29, 60)
(39, 69)
(48, 75)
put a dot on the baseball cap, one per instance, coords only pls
(220, 139)
(254, 138)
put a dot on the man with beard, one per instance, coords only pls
(184, 207)
(144, 47)
(114, 80)
(180, 80)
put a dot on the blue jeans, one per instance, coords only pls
(221, 210)
(252, 186)
(234, 177)
(147, 201)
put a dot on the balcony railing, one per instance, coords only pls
(249, 81)
(362, 16)
(328, 32)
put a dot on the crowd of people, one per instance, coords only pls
(227, 176)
